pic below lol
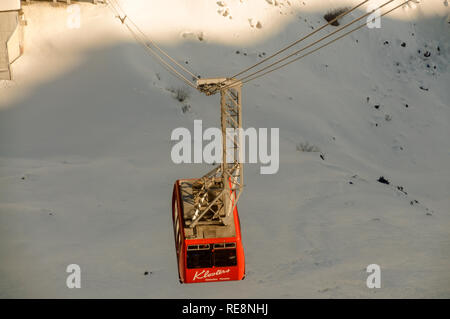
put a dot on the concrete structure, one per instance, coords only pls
(11, 33)
(9, 5)
(11, 36)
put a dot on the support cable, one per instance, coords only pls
(303, 38)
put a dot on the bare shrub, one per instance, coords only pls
(306, 147)
(180, 94)
(185, 108)
(330, 15)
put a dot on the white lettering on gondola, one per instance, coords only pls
(205, 274)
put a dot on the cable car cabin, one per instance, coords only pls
(207, 249)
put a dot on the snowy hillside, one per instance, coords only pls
(86, 175)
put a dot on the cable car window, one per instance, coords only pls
(197, 247)
(225, 257)
(199, 258)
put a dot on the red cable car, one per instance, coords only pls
(207, 249)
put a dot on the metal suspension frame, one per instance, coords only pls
(218, 191)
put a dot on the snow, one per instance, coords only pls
(86, 175)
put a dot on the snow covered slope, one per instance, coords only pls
(86, 174)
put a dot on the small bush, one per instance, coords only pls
(181, 94)
(306, 147)
(185, 108)
(330, 15)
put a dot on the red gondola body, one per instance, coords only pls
(214, 253)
